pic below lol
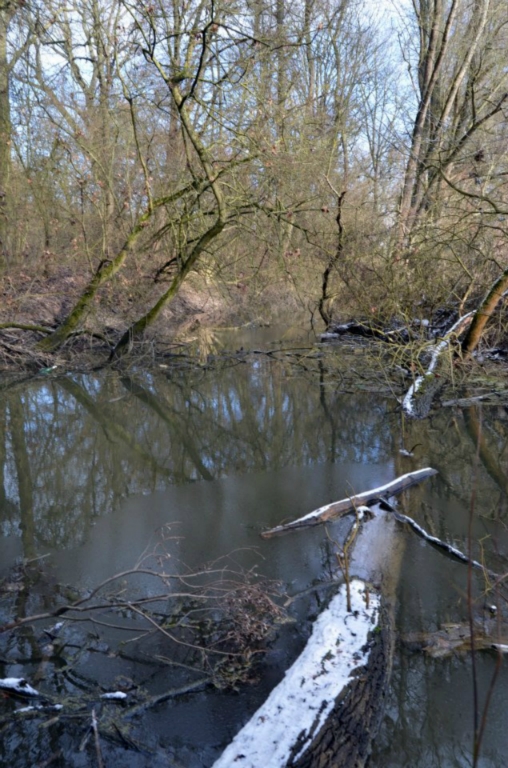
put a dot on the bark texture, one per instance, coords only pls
(345, 741)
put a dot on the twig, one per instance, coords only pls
(152, 702)
(95, 730)
(175, 639)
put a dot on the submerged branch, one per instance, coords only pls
(197, 685)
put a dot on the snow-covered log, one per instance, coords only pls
(418, 399)
(296, 716)
(345, 506)
(327, 710)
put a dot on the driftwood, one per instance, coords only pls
(328, 708)
(367, 330)
(345, 740)
(345, 506)
(418, 399)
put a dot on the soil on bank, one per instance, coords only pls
(187, 325)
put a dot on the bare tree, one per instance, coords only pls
(9, 56)
(461, 87)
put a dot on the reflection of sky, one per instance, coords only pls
(88, 454)
(10, 479)
(274, 454)
(86, 457)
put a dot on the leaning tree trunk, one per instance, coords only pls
(107, 269)
(484, 313)
(140, 326)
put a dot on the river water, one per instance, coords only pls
(182, 467)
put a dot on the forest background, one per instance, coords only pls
(174, 163)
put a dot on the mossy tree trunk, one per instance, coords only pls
(106, 270)
(206, 178)
(484, 313)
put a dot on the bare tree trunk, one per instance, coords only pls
(445, 69)
(24, 475)
(323, 305)
(105, 271)
(280, 13)
(7, 11)
(139, 327)
(434, 40)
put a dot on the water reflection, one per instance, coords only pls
(92, 466)
(75, 448)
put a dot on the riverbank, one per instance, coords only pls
(34, 305)
(204, 326)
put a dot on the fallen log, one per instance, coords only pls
(294, 720)
(345, 506)
(418, 399)
(328, 708)
(367, 330)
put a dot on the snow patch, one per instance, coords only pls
(408, 405)
(18, 685)
(383, 489)
(39, 708)
(298, 707)
(114, 696)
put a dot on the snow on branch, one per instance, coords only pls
(345, 506)
(418, 399)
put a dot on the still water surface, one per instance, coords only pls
(95, 467)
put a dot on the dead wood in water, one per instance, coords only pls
(326, 710)
(455, 637)
(345, 506)
(418, 399)
(346, 738)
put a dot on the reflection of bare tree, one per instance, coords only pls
(88, 444)
(170, 417)
(480, 441)
(92, 441)
(326, 410)
(413, 736)
(113, 430)
(2, 456)
(72, 450)
(24, 476)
